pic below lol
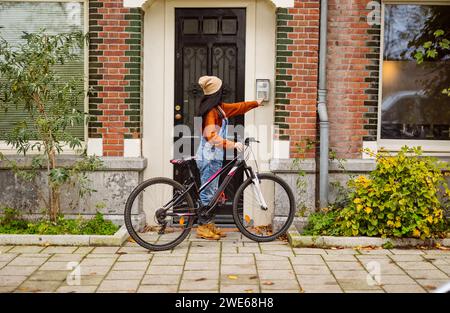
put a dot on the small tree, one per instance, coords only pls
(29, 80)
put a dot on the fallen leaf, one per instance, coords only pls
(431, 287)
(131, 240)
(248, 290)
(182, 220)
(234, 277)
(200, 279)
(253, 277)
(121, 252)
(247, 219)
(268, 283)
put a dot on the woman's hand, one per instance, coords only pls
(260, 101)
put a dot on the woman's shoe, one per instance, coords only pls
(205, 232)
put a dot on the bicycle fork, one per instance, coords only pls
(257, 190)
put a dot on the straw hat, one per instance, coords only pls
(210, 84)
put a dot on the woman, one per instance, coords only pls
(210, 152)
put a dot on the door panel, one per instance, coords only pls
(208, 42)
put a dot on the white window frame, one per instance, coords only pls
(432, 147)
(8, 150)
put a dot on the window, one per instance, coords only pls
(413, 105)
(17, 17)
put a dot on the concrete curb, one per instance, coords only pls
(67, 240)
(296, 240)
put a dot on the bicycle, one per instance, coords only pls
(176, 206)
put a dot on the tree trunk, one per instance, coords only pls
(54, 190)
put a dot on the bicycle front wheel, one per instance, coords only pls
(168, 210)
(266, 212)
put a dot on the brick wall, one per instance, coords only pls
(114, 74)
(296, 75)
(353, 71)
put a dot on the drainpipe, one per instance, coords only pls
(322, 106)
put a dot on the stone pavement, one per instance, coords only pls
(234, 264)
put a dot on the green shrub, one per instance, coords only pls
(322, 223)
(400, 198)
(13, 223)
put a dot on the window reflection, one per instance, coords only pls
(413, 106)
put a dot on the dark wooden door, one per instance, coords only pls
(207, 42)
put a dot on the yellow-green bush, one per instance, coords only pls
(405, 196)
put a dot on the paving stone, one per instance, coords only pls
(91, 280)
(7, 257)
(270, 257)
(270, 248)
(322, 289)
(26, 249)
(308, 260)
(316, 280)
(406, 251)
(39, 286)
(203, 257)
(339, 257)
(11, 281)
(276, 274)
(239, 288)
(158, 288)
(246, 250)
(3, 264)
(308, 251)
(396, 280)
(226, 260)
(283, 291)
(437, 251)
(119, 275)
(132, 250)
(375, 252)
(350, 274)
(161, 280)
(286, 254)
(76, 289)
(98, 262)
(102, 256)
(10, 270)
(94, 270)
(49, 275)
(208, 284)
(166, 260)
(56, 266)
(238, 269)
(66, 258)
(243, 279)
(201, 274)
(83, 250)
(130, 266)
(279, 284)
(403, 288)
(345, 266)
(358, 284)
(4, 249)
(342, 251)
(416, 265)
(134, 257)
(7, 289)
(166, 270)
(200, 266)
(444, 268)
(59, 250)
(119, 285)
(311, 269)
(105, 250)
(229, 250)
(366, 291)
(427, 274)
(432, 284)
(407, 257)
(278, 265)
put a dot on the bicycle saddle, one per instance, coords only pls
(182, 160)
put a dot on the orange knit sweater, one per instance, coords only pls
(212, 122)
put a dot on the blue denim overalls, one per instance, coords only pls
(209, 160)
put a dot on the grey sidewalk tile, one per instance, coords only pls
(161, 280)
(168, 260)
(345, 266)
(238, 269)
(403, 289)
(12, 281)
(92, 280)
(396, 279)
(132, 250)
(437, 251)
(427, 274)
(49, 275)
(203, 257)
(322, 289)
(235, 260)
(207, 274)
(339, 257)
(283, 291)
(56, 266)
(346, 251)
(200, 266)
(276, 265)
(208, 284)
(423, 265)
(270, 257)
(243, 279)
(308, 260)
(270, 248)
(311, 269)
(406, 251)
(7, 257)
(105, 250)
(39, 286)
(94, 270)
(124, 275)
(286, 254)
(252, 288)
(59, 249)
(279, 284)
(66, 258)
(248, 250)
(7, 289)
(17, 270)
(112, 256)
(98, 262)
(83, 250)
(358, 284)
(119, 285)
(276, 274)
(302, 251)
(316, 279)
(229, 250)
(366, 291)
(444, 268)
(134, 257)
(130, 266)
(407, 257)
(350, 274)
(3, 264)
(76, 289)
(375, 252)
(26, 249)
(158, 288)
(21, 261)
(4, 249)
(432, 284)
(166, 270)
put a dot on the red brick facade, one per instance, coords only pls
(114, 74)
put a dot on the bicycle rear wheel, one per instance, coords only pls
(169, 214)
(264, 223)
